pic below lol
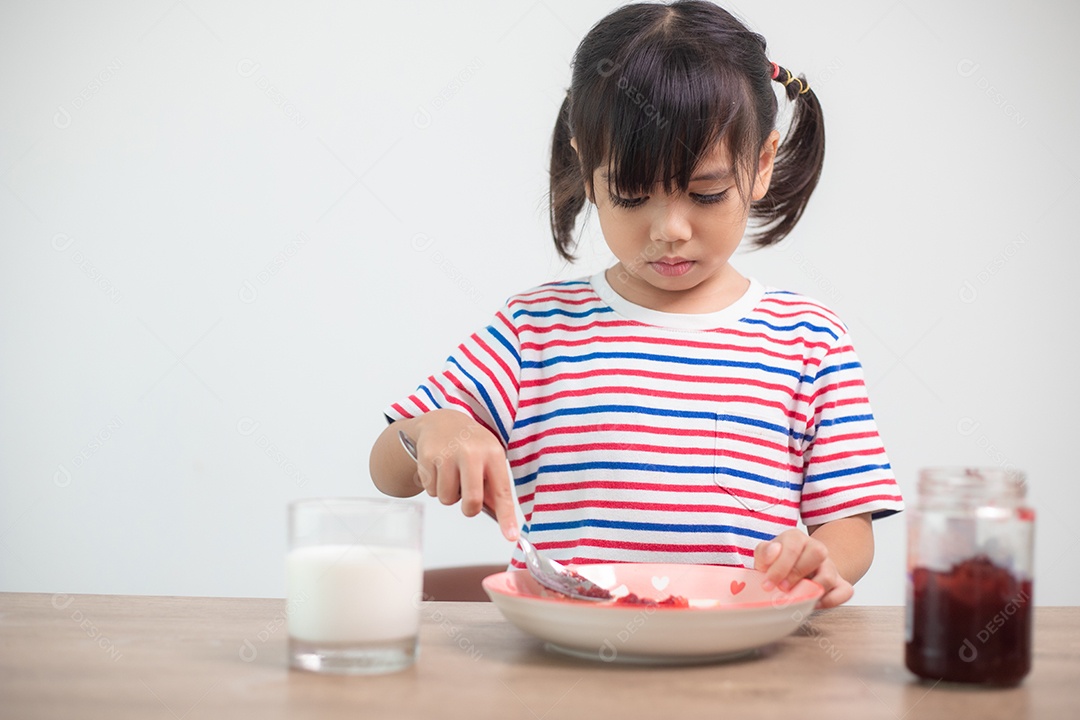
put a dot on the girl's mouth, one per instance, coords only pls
(672, 268)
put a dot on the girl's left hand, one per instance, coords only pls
(793, 555)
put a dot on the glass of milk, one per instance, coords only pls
(354, 578)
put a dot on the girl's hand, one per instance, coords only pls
(793, 555)
(459, 459)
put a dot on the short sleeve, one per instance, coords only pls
(480, 378)
(846, 469)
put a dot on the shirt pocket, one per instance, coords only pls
(754, 462)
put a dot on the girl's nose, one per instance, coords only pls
(671, 222)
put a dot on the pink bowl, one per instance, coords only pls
(729, 614)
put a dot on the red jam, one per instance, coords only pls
(669, 601)
(593, 590)
(970, 624)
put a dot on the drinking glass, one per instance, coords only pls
(354, 573)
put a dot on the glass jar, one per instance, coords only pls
(969, 577)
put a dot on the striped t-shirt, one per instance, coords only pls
(643, 436)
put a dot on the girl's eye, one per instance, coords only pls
(635, 202)
(627, 202)
(710, 199)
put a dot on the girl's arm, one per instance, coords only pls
(458, 459)
(392, 470)
(850, 542)
(834, 555)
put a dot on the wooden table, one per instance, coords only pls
(181, 658)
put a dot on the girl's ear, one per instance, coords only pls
(588, 180)
(765, 165)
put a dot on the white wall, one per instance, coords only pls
(215, 224)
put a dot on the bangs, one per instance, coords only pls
(660, 112)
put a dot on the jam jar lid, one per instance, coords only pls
(971, 487)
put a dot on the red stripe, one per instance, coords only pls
(420, 403)
(652, 374)
(627, 323)
(804, 312)
(665, 507)
(402, 411)
(491, 376)
(839, 404)
(585, 429)
(858, 382)
(800, 301)
(849, 504)
(658, 487)
(708, 453)
(814, 460)
(509, 325)
(555, 298)
(540, 329)
(845, 438)
(656, 547)
(502, 363)
(450, 398)
(554, 287)
(759, 460)
(621, 485)
(809, 497)
(809, 345)
(665, 342)
(666, 395)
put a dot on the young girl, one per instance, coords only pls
(667, 409)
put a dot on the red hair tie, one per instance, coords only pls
(803, 87)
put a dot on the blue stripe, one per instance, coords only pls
(560, 311)
(783, 430)
(565, 283)
(548, 362)
(485, 397)
(430, 396)
(505, 343)
(720, 470)
(847, 471)
(845, 419)
(650, 527)
(525, 422)
(707, 470)
(802, 323)
(836, 368)
(658, 412)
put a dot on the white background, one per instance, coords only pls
(232, 233)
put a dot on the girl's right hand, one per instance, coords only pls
(459, 459)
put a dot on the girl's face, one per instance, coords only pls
(673, 250)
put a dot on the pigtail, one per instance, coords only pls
(567, 190)
(798, 163)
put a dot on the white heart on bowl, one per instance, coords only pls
(660, 582)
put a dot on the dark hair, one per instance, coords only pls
(654, 88)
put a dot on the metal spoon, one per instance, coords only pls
(545, 571)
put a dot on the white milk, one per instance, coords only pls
(353, 593)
